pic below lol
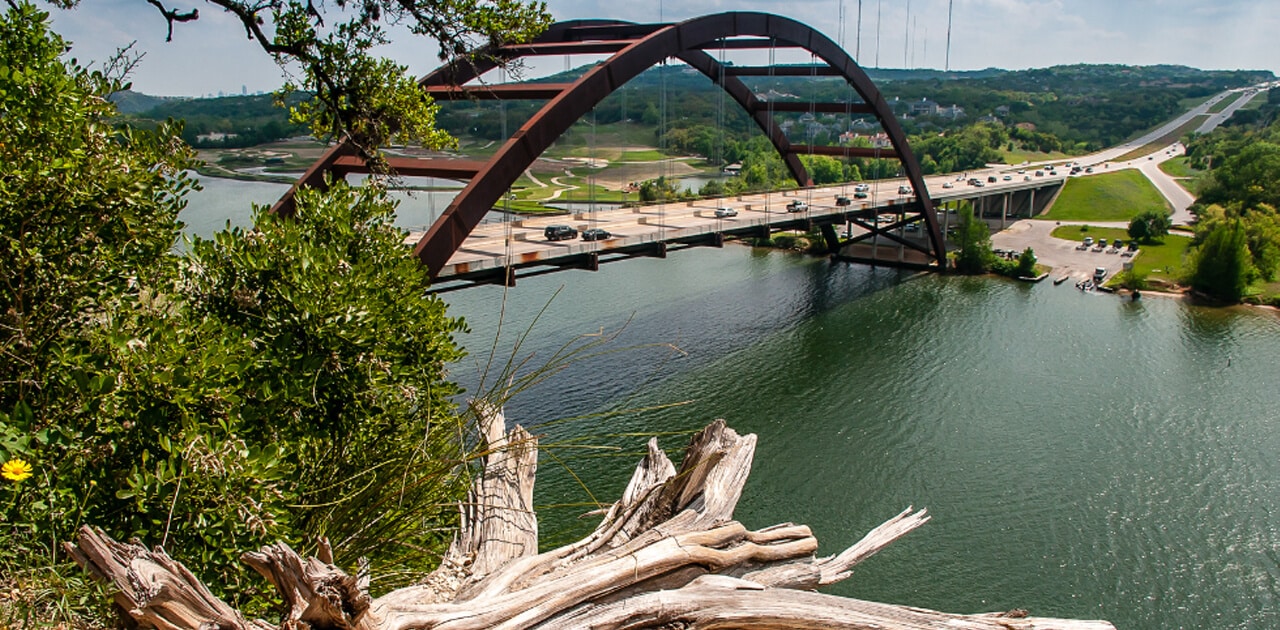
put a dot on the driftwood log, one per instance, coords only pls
(667, 555)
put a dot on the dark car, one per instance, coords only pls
(559, 233)
(991, 179)
(860, 195)
(595, 234)
(844, 201)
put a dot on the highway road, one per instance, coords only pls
(520, 242)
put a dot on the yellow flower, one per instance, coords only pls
(15, 470)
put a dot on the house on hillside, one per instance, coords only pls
(923, 107)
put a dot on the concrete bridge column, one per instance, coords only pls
(1031, 209)
(1004, 211)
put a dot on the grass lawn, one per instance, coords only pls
(642, 155)
(1163, 261)
(1116, 196)
(1179, 167)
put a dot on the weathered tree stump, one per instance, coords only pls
(668, 554)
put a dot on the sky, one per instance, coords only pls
(212, 55)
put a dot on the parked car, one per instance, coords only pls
(595, 234)
(797, 206)
(1088, 241)
(559, 232)
(723, 212)
(843, 201)
(1099, 274)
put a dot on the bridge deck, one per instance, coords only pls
(494, 247)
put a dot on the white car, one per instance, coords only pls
(725, 212)
(948, 185)
(861, 188)
(904, 190)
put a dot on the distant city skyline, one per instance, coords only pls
(212, 55)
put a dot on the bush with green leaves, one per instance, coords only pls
(285, 382)
(974, 238)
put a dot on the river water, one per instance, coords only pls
(1081, 455)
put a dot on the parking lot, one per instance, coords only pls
(1062, 255)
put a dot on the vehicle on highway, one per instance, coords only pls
(1089, 170)
(1008, 178)
(861, 188)
(974, 181)
(978, 184)
(723, 212)
(912, 227)
(948, 185)
(843, 201)
(595, 234)
(559, 233)
(904, 190)
(797, 206)
(991, 179)
(860, 195)
(1026, 178)
(1039, 173)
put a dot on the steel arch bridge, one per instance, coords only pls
(635, 48)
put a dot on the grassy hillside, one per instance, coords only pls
(1117, 196)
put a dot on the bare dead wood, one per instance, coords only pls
(667, 554)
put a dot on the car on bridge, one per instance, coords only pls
(723, 212)
(904, 190)
(595, 234)
(860, 195)
(797, 206)
(861, 188)
(991, 179)
(559, 233)
(843, 201)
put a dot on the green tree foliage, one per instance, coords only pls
(280, 383)
(1222, 266)
(1242, 187)
(355, 94)
(974, 238)
(1027, 263)
(86, 209)
(1151, 225)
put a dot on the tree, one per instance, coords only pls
(975, 255)
(1222, 267)
(261, 387)
(356, 95)
(1151, 225)
(1027, 263)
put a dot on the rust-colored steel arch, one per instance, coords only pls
(634, 49)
